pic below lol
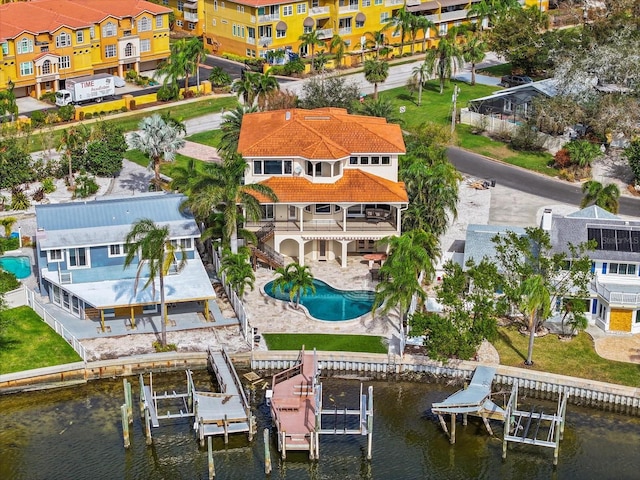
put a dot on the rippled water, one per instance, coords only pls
(76, 434)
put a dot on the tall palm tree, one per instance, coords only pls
(424, 24)
(182, 177)
(311, 40)
(376, 71)
(220, 188)
(230, 126)
(151, 245)
(238, 271)
(158, 141)
(474, 51)
(264, 83)
(295, 279)
(338, 47)
(72, 140)
(402, 22)
(176, 66)
(604, 196)
(536, 302)
(194, 53)
(491, 9)
(374, 40)
(420, 73)
(443, 60)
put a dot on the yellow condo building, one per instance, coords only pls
(45, 42)
(253, 27)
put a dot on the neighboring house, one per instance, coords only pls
(81, 252)
(614, 299)
(336, 178)
(44, 42)
(615, 290)
(253, 27)
(189, 16)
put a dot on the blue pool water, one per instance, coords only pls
(329, 303)
(19, 266)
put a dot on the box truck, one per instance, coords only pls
(86, 89)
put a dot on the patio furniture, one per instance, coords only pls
(376, 215)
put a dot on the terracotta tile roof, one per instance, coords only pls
(42, 16)
(323, 133)
(355, 186)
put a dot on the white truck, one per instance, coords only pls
(86, 89)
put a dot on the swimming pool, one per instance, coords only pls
(20, 266)
(329, 303)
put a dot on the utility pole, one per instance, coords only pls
(454, 99)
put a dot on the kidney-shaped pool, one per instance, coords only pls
(328, 303)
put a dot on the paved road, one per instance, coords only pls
(526, 181)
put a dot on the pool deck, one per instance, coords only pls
(275, 316)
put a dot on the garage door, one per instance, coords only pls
(620, 320)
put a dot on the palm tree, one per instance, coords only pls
(374, 41)
(295, 279)
(420, 73)
(604, 196)
(194, 53)
(491, 9)
(238, 271)
(311, 40)
(382, 108)
(158, 141)
(443, 60)
(375, 71)
(182, 177)
(176, 66)
(536, 303)
(220, 188)
(230, 126)
(8, 223)
(474, 51)
(264, 83)
(340, 47)
(402, 22)
(245, 88)
(424, 24)
(73, 139)
(152, 246)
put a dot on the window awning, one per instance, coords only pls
(360, 17)
(281, 26)
(308, 22)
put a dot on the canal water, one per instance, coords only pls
(75, 433)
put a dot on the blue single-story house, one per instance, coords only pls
(80, 253)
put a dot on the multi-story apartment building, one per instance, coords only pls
(44, 42)
(189, 15)
(335, 176)
(253, 27)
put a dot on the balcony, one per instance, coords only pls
(619, 294)
(251, 40)
(344, 31)
(391, 3)
(354, 226)
(315, 11)
(352, 7)
(262, 41)
(191, 17)
(448, 16)
(268, 18)
(325, 33)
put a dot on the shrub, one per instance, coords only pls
(169, 347)
(632, 154)
(88, 116)
(48, 97)
(566, 174)
(38, 118)
(562, 159)
(278, 70)
(131, 75)
(8, 282)
(7, 244)
(123, 109)
(583, 152)
(85, 186)
(38, 195)
(48, 185)
(294, 66)
(525, 138)
(167, 93)
(219, 78)
(19, 199)
(81, 115)
(67, 113)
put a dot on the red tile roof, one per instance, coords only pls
(323, 133)
(355, 186)
(43, 16)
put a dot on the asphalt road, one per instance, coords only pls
(526, 181)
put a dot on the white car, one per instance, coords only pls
(119, 82)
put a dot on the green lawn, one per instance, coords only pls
(166, 168)
(30, 343)
(210, 138)
(496, 70)
(576, 358)
(329, 343)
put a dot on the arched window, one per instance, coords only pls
(109, 30)
(63, 40)
(46, 67)
(128, 50)
(144, 24)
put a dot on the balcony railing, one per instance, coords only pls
(616, 298)
(191, 17)
(352, 7)
(324, 33)
(325, 225)
(313, 11)
(268, 18)
(265, 41)
(448, 16)
(344, 31)
(251, 40)
(391, 3)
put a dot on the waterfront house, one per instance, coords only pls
(335, 176)
(81, 251)
(45, 42)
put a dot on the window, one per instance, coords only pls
(144, 24)
(508, 106)
(240, 9)
(5, 48)
(353, 160)
(370, 160)
(214, 22)
(637, 316)
(25, 46)
(378, 2)
(307, 29)
(54, 255)
(109, 30)
(78, 257)
(302, 8)
(359, 24)
(165, 2)
(183, 243)
(323, 208)
(375, 160)
(110, 51)
(315, 3)
(267, 212)
(118, 250)
(314, 171)
(366, 3)
(179, 23)
(128, 50)
(281, 33)
(287, 10)
(364, 160)
(26, 68)
(215, 5)
(384, 17)
(180, 6)
(145, 45)
(191, 26)
(80, 36)
(272, 167)
(92, 32)
(65, 62)
(46, 67)
(443, 29)
(159, 21)
(622, 268)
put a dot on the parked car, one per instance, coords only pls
(514, 80)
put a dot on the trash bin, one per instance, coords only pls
(14, 235)
(493, 182)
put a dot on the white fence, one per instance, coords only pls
(16, 298)
(53, 323)
(236, 303)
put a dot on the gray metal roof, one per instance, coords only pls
(478, 243)
(594, 211)
(547, 87)
(102, 222)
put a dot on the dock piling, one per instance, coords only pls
(125, 426)
(147, 426)
(267, 453)
(212, 468)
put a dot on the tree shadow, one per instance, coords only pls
(505, 338)
(136, 182)
(7, 344)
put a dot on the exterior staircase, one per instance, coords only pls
(263, 253)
